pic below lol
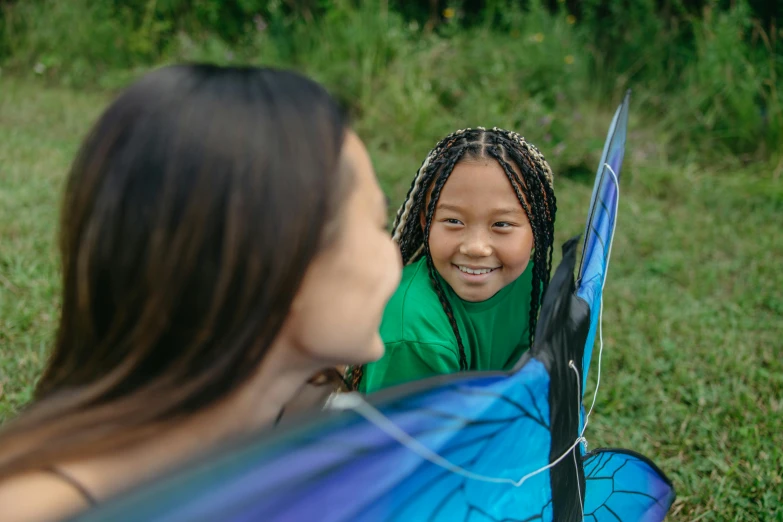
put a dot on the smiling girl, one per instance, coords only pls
(475, 233)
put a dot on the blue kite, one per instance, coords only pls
(466, 447)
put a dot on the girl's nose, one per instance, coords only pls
(476, 245)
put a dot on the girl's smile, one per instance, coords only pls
(475, 275)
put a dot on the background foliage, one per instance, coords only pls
(704, 71)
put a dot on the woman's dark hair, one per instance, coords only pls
(191, 214)
(533, 189)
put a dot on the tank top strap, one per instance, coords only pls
(78, 486)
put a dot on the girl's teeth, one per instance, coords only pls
(475, 272)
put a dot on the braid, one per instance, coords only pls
(403, 213)
(355, 376)
(441, 181)
(532, 186)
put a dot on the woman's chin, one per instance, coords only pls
(376, 349)
(360, 353)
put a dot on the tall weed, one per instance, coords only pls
(728, 98)
(629, 43)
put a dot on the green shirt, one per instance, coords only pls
(420, 341)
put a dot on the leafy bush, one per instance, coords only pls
(704, 74)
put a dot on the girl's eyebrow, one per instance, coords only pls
(495, 211)
(507, 210)
(446, 206)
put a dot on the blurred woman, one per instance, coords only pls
(223, 239)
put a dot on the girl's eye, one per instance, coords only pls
(502, 224)
(453, 221)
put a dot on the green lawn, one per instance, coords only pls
(692, 375)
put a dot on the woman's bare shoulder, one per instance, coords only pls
(38, 497)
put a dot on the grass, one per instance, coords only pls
(692, 375)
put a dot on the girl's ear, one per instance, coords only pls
(423, 221)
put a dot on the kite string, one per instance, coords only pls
(601, 305)
(578, 404)
(356, 402)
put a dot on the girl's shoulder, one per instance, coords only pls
(414, 313)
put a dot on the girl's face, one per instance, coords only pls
(480, 237)
(336, 315)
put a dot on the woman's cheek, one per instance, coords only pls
(394, 265)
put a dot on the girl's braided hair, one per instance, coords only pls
(533, 189)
